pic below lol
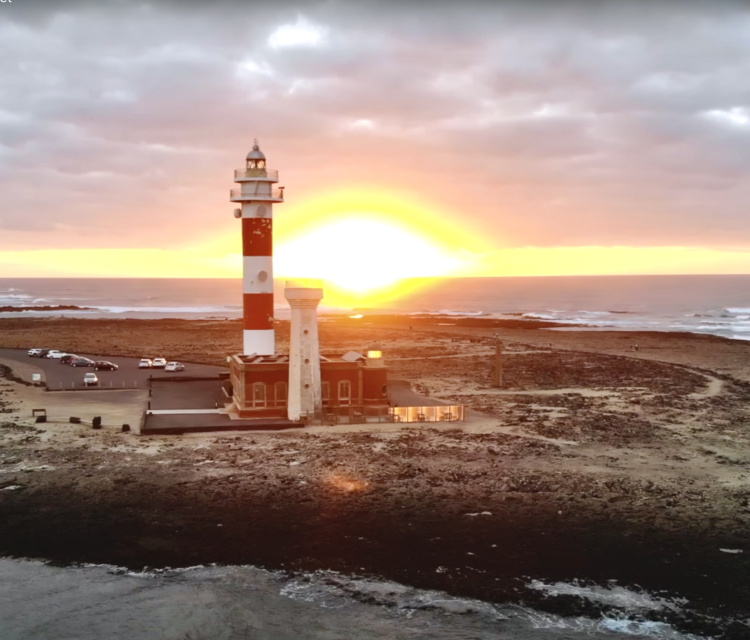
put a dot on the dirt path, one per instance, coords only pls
(714, 388)
(116, 408)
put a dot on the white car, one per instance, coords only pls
(174, 366)
(33, 353)
(145, 363)
(54, 353)
(159, 363)
(90, 380)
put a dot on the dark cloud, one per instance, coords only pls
(547, 123)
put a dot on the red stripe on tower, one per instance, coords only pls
(258, 311)
(257, 237)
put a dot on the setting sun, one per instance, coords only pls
(365, 240)
(360, 255)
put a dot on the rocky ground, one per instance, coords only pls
(593, 462)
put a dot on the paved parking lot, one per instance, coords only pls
(64, 377)
(187, 395)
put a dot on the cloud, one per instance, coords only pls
(734, 116)
(302, 33)
(546, 124)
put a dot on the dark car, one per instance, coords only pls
(81, 362)
(68, 358)
(105, 365)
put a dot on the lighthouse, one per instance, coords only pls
(257, 194)
(304, 385)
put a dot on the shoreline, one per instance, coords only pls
(593, 463)
(430, 321)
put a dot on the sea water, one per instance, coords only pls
(241, 602)
(712, 304)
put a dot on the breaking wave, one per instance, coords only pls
(89, 602)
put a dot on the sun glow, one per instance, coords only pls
(362, 242)
(361, 255)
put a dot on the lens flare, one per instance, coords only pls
(346, 483)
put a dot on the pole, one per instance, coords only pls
(497, 371)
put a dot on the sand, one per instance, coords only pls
(593, 462)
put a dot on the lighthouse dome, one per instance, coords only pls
(256, 153)
(256, 161)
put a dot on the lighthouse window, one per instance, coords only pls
(345, 392)
(280, 391)
(259, 394)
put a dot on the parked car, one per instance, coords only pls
(68, 358)
(34, 353)
(81, 362)
(105, 365)
(159, 363)
(90, 380)
(174, 366)
(145, 363)
(54, 353)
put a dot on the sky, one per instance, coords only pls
(414, 139)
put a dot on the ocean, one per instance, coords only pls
(92, 602)
(712, 304)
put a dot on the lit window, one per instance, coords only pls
(256, 165)
(374, 354)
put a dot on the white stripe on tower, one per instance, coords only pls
(257, 198)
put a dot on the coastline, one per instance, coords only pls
(595, 462)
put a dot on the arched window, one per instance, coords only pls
(259, 394)
(345, 392)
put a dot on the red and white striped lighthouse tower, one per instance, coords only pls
(257, 194)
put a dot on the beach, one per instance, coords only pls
(605, 456)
